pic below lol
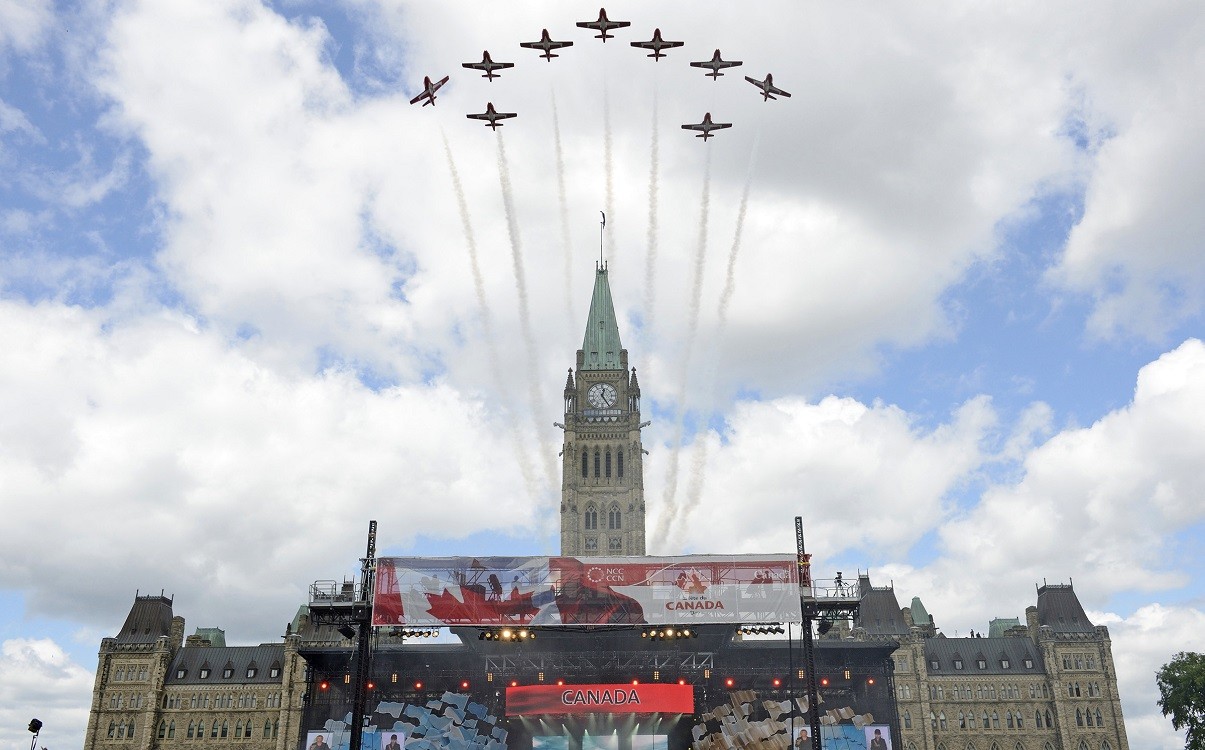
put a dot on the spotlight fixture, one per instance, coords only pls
(668, 634)
(508, 635)
(347, 631)
(35, 726)
(772, 628)
(824, 626)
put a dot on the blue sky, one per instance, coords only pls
(243, 312)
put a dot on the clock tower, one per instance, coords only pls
(602, 469)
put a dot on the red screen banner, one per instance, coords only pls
(551, 591)
(600, 699)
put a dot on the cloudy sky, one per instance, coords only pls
(945, 303)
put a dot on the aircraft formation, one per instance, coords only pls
(716, 65)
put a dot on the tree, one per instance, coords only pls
(1182, 695)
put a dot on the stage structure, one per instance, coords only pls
(565, 653)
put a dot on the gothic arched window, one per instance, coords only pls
(591, 518)
(171, 730)
(162, 729)
(585, 463)
(1079, 718)
(907, 720)
(613, 517)
(1008, 718)
(1099, 723)
(597, 462)
(190, 730)
(608, 472)
(1049, 722)
(962, 720)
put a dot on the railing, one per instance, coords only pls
(831, 588)
(333, 592)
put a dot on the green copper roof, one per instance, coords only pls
(920, 615)
(601, 346)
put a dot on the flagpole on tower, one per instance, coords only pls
(600, 239)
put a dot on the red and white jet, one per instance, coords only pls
(706, 127)
(429, 90)
(547, 44)
(492, 115)
(603, 25)
(488, 65)
(716, 64)
(656, 44)
(768, 89)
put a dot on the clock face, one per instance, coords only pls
(602, 395)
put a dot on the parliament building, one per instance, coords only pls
(885, 676)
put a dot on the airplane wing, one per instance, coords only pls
(726, 63)
(720, 125)
(657, 45)
(698, 126)
(488, 66)
(420, 97)
(481, 116)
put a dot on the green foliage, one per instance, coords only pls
(1182, 695)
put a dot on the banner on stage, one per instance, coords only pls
(528, 700)
(550, 591)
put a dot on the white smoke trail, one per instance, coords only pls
(609, 165)
(669, 512)
(650, 258)
(698, 470)
(516, 248)
(566, 241)
(487, 324)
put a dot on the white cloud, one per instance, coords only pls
(863, 476)
(23, 23)
(152, 444)
(1142, 643)
(39, 680)
(1138, 249)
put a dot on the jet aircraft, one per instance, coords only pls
(716, 64)
(488, 66)
(656, 44)
(603, 25)
(768, 89)
(492, 115)
(429, 90)
(547, 44)
(706, 127)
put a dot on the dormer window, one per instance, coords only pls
(958, 664)
(227, 673)
(1004, 663)
(180, 673)
(981, 663)
(1029, 663)
(934, 665)
(274, 672)
(204, 675)
(251, 671)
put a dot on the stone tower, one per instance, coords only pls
(602, 469)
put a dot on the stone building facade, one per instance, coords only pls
(1049, 684)
(154, 690)
(602, 471)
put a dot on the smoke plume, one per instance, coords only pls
(516, 248)
(487, 325)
